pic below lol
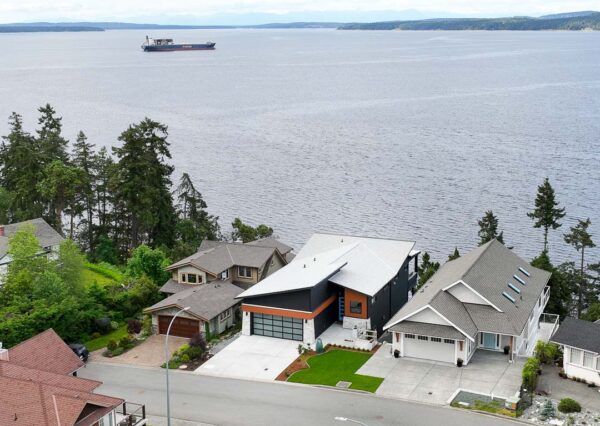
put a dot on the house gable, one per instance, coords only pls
(466, 294)
(427, 315)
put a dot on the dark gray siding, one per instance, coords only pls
(400, 286)
(320, 293)
(299, 300)
(380, 308)
(326, 318)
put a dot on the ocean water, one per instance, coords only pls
(409, 135)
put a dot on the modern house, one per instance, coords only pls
(38, 386)
(209, 281)
(48, 237)
(488, 299)
(356, 282)
(581, 349)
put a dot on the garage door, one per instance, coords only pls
(182, 327)
(277, 326)
(426, 347)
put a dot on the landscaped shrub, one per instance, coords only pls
(147, 325)
(112, 345)
(547, 353)
(103, 325)
(548, 411)
(114, 325)
(95, 335)
(134, 326)
(194, 352)
(569, 405)
(184, 358)
(197, 340)
(118, 351)
(530, 373)
(126, 342)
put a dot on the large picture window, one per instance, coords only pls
(191, 278)
(355, 307)
(588, 360)
(575, 357)
(244, 272)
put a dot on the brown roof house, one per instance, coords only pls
(209, 282)
(38, 386)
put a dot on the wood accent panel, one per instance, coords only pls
(355, 296)
(182, 327)
(289, 313)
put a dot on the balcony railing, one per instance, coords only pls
(130, 414)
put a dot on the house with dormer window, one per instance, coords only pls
(489, 299)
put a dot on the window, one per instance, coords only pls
(224, 315)
(436, 339)
(588, 360)
(449, 341)
(355, 307)
(575, 357)
(497, 340)
(409, 336)
(192, 278)
(423, 338)
(244, 272)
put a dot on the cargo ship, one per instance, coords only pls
(167, 45)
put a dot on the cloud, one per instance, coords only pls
(32, 10)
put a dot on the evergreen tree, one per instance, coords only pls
(580, 239)
(60, 185)
(548, 411)
(52, 145)
(488, 228)
(103, 170)
(546, 213)
(143, 179)
(455, 254)
(21, 168)
(427, 269)
(84, 158)
(247, 233)
(560, 292)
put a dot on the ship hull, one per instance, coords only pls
(179, 47)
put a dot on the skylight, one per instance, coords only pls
(508, 296)
(524, 271)
(519, 279)
(514, 288)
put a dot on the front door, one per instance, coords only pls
(489, 341)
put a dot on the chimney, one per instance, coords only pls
(3, 353)
(1, 230)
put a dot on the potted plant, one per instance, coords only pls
(396, 353)
(459, 362)
(506, 350)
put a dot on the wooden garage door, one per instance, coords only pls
(182, 327)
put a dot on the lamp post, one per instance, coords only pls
(346, 419)
(167, 362)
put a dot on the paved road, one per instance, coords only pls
(222, 402)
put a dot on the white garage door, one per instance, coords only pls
(432, 348)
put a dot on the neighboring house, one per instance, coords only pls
(209, 281)
(581, 349)
(487, 299)
(359, 282)
(49, 240)
(38, 386)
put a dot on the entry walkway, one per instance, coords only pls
(435, 382)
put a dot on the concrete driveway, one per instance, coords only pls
(435, 382)
(150, 353)
(252, 357)
(559, 388)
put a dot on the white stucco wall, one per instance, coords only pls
(309, 332)
(427, 315)
(246, 323)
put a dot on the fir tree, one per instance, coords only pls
(427, 269)
(52, 145)
(84, 158)
(455, 254)
(488, 228)
(580, 239)
(546, 213)
(548, 411)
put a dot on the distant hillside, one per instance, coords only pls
(102, 26)
(577, 21)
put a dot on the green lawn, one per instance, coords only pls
(90, 276)
(102, 341)
(334, 366)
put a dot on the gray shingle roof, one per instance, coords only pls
(45, 234)
(487, 269)
(220, 256)
(273, 243)
(173, 287)
(579, 334)
(427, 329)
(206, 301)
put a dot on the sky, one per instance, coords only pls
(215, 11)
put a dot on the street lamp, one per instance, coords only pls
(167, 362)
(346, 419)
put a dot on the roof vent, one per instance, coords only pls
(519, 279)
(516, 289)
(524, 271)
(508, 296)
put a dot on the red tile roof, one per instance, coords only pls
(36, 388)
(46, 352)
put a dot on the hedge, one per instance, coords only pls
(530, 373)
